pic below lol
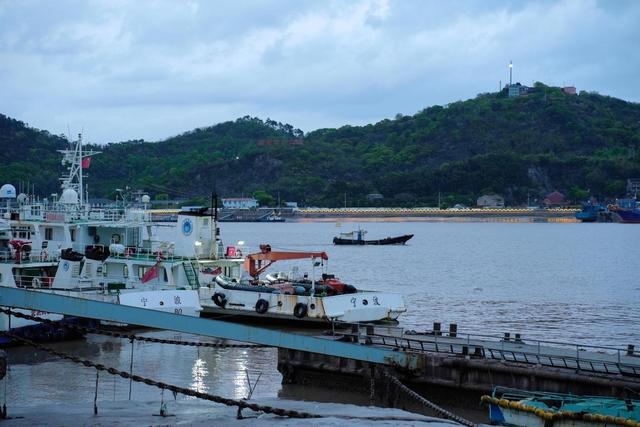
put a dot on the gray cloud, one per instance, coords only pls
(151, 69)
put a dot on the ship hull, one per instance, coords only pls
(400, 240)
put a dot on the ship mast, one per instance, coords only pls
(73, 157)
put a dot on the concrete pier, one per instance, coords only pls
(470, 365)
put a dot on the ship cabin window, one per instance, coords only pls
(0, 277)
(48, 233)
(142, 271)
(165, 275)
(35, 210)
(125, 271)
(73, 234)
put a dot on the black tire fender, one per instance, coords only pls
(219, 299)
(300, 310)
(262, 305)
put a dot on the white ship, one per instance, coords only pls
(67, 246)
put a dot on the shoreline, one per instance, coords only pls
(435, 215)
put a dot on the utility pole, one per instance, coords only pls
(510, 73)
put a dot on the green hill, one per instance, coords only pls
(517, 147)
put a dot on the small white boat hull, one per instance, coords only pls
(363, 306)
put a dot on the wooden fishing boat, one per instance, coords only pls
(357, 238)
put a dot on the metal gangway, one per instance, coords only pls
(383, 345)
(99, 310)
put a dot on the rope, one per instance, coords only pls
(164, 386)
(210, 397)
(88, 330)
(427, 403)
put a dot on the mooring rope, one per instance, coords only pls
(206, 396)
(427, 403)
(88, 330)
(165, 386)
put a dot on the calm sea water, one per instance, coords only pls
(551, 281)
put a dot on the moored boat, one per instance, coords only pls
(292, 296)
(593, 213)
(357, 238)
(108, 254)
(511, 407)
(628, 210)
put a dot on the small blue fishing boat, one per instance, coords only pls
(591, 212)
(510, 407)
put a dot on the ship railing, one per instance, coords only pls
(581, 357)
(33, 281)
(28, 257)
(112, 215)
(132, 252)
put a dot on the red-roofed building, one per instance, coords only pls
(555, 199)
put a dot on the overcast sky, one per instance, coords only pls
(152, 69)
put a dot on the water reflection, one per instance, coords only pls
(241, 389)
(199, 372)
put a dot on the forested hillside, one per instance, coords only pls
(517, 147)
(29, 157)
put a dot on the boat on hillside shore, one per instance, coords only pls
(510, 407)
(628, 210)
(593, 213)
(357, 238)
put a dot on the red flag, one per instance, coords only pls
(86, 161)
(151, 274)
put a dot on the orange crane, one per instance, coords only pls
(253, 262)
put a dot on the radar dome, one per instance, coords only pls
(22, 198)
(69, 197)
(146, 199)
(7, 191)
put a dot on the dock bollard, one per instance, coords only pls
(465, 350)
(507, 336)
(518, 338)
(437, 328)
(453, 330)
(631, 350)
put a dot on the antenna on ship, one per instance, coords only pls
(77, 159)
